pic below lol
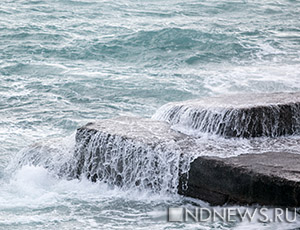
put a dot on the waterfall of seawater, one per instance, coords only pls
(117, 161)
(129, 163)
(194, 118)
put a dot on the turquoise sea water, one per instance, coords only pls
(64, 63)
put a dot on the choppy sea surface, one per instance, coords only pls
(64, 63)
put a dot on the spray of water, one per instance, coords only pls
(53, 154)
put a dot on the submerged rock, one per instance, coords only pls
(245, 115)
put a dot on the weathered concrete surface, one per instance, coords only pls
(129, 151)
(271, 178)
(241, 115)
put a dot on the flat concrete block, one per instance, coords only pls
(271, 178)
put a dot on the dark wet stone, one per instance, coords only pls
(271, 178)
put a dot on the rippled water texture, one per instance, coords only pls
(64, 63)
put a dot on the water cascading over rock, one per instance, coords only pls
(245, 115)
(148, 154)
(131, 152)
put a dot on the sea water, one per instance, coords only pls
(64, 63)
